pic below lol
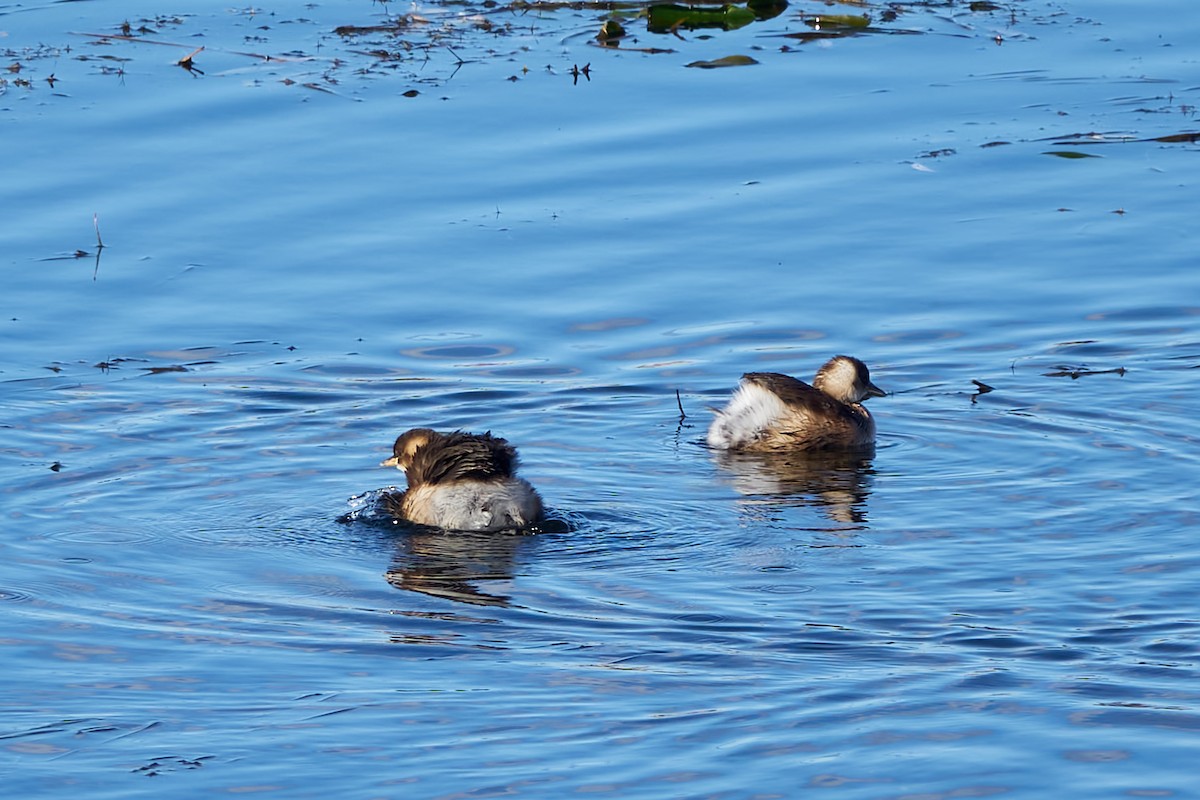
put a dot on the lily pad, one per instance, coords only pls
(727, 61)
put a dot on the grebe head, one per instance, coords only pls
(847, 379)
(406, 446)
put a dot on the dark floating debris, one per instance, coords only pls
(982, 388)
(56, 466)
(81, 253)
(610, 32)
(186, 61)
(1176, 138)
(727, 61)
(1099, 138)
(836, 21)
(113, 363)
(408, 42)
(1075, 373)
(397, 25)
(166, 764)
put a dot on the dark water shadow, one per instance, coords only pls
(838, 484)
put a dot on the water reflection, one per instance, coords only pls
(445, 563)
(836, 483)
(449, 564)
(670, 18)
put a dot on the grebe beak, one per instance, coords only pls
(875, 391)
(391, 462)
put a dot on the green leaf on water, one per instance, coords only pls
(838, 21)
(1069, 154)
(727, 61)
(611, 29)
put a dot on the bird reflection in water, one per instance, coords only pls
(453, 564)
(836, 482)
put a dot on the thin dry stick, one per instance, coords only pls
(679, 402)
(126, 38)
(99, 245)
(186, 61)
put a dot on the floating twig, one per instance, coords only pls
(81, 253)
(982, 387)
(99, 245)
(186, 61)
(1075, 373)
(679, 402)
(128, 38)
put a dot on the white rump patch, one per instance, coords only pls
(479, 505)
(751, 411)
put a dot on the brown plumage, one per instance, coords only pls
(770, 411)
(427, 456)
(461, 481)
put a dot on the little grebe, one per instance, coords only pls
(461, 481)
(771, 412)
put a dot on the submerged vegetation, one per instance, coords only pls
(431, 43)
(428, 47)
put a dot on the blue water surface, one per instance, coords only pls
(316, 239)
